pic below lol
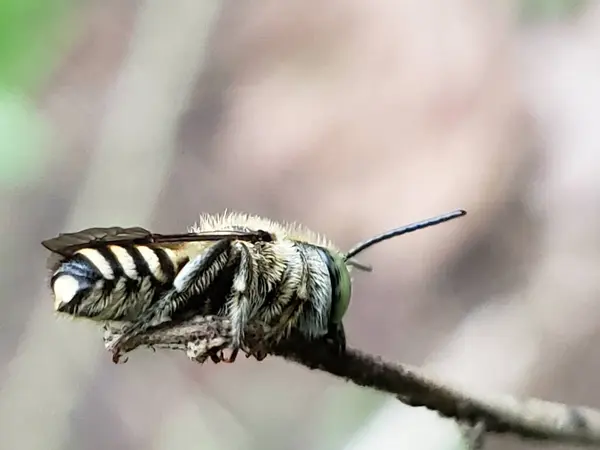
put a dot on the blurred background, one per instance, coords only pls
(351, 118)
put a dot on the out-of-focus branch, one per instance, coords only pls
(527, 418)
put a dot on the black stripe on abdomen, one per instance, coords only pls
(167, 266)
(141, 265)
(112, 261)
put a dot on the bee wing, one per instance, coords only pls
(213, 235)
(66, 244)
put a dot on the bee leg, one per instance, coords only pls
(259, 354)
(336, 337)
(231, 358)
(280, 330)
(215, 357)
(243, 300)
(193, 279)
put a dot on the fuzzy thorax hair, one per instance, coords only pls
(281, 230)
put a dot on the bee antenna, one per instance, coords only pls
(359, 266)
(361, 246)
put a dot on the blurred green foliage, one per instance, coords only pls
(537, 10)
(23, 135)
(30, 37)
(29, 34)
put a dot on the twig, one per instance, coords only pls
(496, 413)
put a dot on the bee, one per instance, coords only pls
(243, 267)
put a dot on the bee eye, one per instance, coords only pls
(342, 289)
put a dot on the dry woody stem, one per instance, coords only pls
(497, 413)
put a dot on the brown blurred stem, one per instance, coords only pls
(497, 413)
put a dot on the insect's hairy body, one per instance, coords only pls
(116, 282)
(288, 283)
(291, 281)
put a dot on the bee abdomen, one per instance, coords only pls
(159, 263)
(74, 278)
(112, 280)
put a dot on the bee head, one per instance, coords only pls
(342, 287)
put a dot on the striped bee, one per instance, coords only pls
(244, 267)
